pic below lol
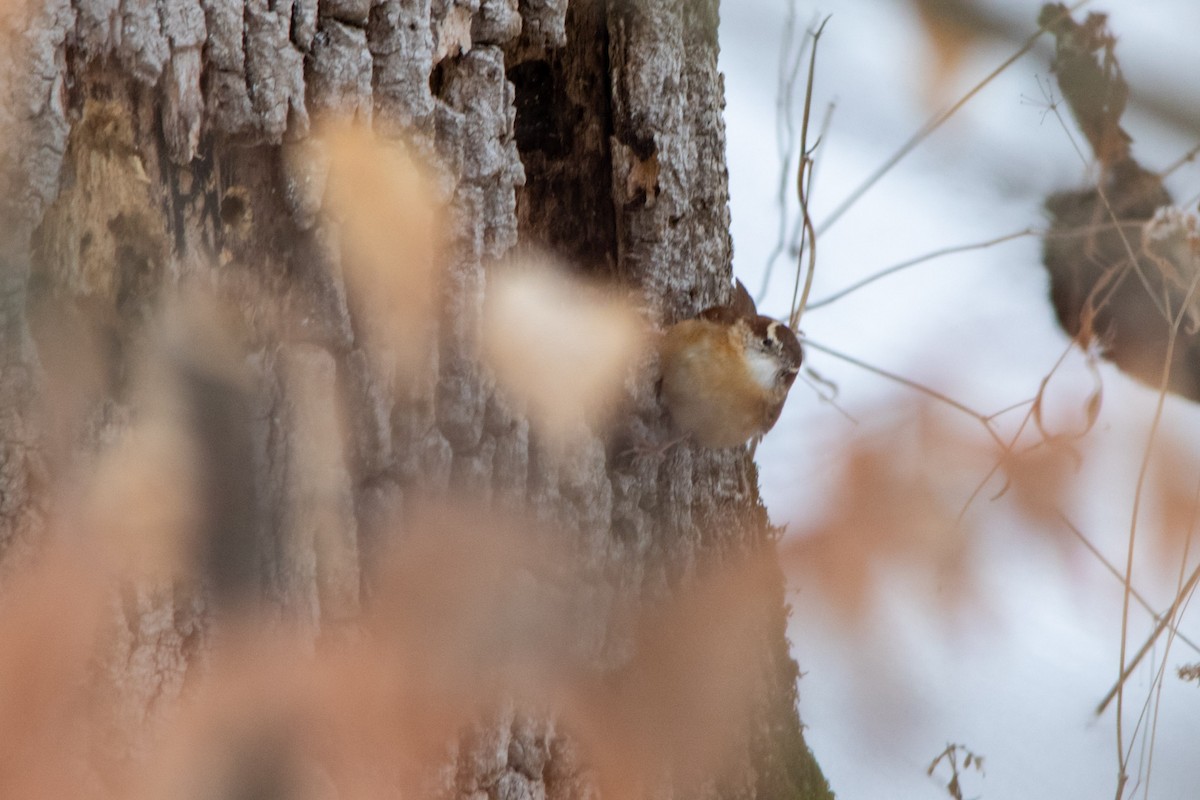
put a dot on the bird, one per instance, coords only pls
(726, 373)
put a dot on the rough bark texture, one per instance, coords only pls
(148, 144)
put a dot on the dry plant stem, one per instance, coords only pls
(1092, 405)
(985, 420)
(1164, 623)
(1158, 618)
(1020, 403)
(923, 389)
(996, 415)
(1163, 307)
(798, 231)
(928, 128)
(1159, 303)
(822, 135)
(1012, 443)
(804, 190)
(912, 262)
(825, 398)
(1137, 503)
(785, 136)
(810, 234)
(1162, 667)
(1186, 158)
(965, 248)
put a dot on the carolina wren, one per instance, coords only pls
(726, 373)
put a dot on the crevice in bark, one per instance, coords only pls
(563, 125)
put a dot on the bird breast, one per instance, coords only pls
(711, 388)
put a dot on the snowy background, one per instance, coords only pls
(1017, 681)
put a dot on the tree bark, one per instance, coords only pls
(152, 145)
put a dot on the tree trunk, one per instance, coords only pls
(150, 146)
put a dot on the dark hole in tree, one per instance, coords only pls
(540, 108)
(233, 208)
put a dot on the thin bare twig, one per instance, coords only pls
(1081, 230)
(1162, 668)
(815, 383)
(1186, 158)
(1168, 357)
(804, 190)
(1009, 446)
(1163, 624)
(1013, 407)
(1074, 529)
(1118, 227)
(912, 262)
(916, 386)
(928, 128)
(785, 134)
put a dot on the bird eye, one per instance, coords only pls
(767, 342)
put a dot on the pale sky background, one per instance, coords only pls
(1017, 683)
